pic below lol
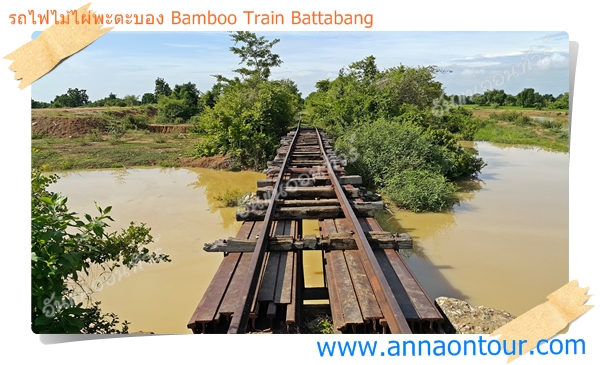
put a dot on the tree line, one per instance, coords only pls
(528, 98)
(383, 116)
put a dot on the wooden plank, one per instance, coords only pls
(420, 300)
(334, 299)
(364, 293)
(283, 291)
(349, 303)
(398, 290)
(373, 224)
(207, 308)
(342, 225)
(330, 226)
(232, 296)
(255, 230)
(332, 241)
(256, 210)
(245, 229)
(267, 286)
(290, 310)
(292, 229)
(308, 192)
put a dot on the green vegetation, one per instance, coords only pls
(412, 165)
(73, 98)
(396, 126)
(178, 106)
(516, 128)
(63, 248)
(231, 198)
(387, 131)
(528, 98)
(248, 115)
(321, 325)
(133, 148)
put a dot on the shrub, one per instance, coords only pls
(160, 138)
(549, 124)
(95, 135)
(321, 325)
(420, 190)
(231, 198)
(410, 164)
(63, 246)
(247, 122)
(138, 121)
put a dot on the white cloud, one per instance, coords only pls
(469, 72)
(553, 60)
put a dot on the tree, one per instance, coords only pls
(148, 98)
(131, 100)
(39, 104)
(161, 88)
(72, 99)
(256, 53)
(364, 70)
(526, 98)
(561, 102)
(361, 94)
(247, 121)
(110, 100)
(63, 248)
(180, 106)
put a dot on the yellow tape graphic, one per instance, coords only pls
(546, 320)
(38, 57)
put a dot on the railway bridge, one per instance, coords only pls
(260, 282)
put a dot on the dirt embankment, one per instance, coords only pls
(218, 162)
(78, 122)
(65, 127)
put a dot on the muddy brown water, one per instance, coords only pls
(504, 246)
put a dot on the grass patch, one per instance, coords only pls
(160, 138)
(553, 139)
(321, 325)
(133, 149)
(509, 107)
(231, 198)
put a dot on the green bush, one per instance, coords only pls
(512, 116)
(380, 149)
(420, 191)
(247, 121)
(410, 164)
(231, 198)
(172, 111)
(321, 325)
(138, 121)
(549, 124)
(63, 247)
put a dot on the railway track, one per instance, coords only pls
(260, 282)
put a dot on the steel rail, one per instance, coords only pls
(239, 321)
(383, 293)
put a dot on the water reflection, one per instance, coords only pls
(180, 207)
(506, 244)
(215, 182)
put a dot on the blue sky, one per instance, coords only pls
(129, 62)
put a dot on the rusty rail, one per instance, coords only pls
(388, 304)
(239, 321)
